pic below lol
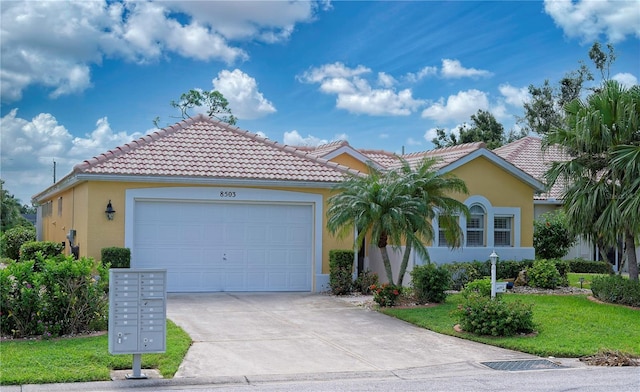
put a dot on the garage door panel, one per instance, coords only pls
(225, 246)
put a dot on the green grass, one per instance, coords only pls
(567, 325)
(81, 359)
(574, 279)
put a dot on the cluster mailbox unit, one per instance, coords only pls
(137, 313)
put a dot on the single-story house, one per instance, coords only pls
(223, 209)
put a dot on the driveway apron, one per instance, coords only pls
(243, 334)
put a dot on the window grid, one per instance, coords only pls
(502, 231)
(475, 226)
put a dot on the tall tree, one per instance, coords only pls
(215, 103)
(483, 128)
(395, 207)
(9, 210)
(601, 135)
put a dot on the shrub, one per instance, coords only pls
(509, 269)
(68, 296)
(563, 269)
(481, 287)
(484, 316)
(461, 274)
(430, 283)
(616, 289)
(582, 266)
(543, 274)
(386, 294)
(365, 280)
(552, 237)
(116, 257)
(47, 249)
(340, 270)
(13, 239)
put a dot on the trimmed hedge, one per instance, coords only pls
(49, 249)
(340, 270)
(582, 266)
(116, 257)
(616, 289)
(485, 316)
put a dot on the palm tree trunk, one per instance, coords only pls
(630, 245)
(382, 245)
(403, 265)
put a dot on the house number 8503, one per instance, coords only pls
(227, 194)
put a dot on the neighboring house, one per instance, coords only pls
(500, 201)
(223, 209)
(528, 155)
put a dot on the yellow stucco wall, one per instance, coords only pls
(94, 232)
(502, 189)
(349, 161)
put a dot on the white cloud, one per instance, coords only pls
(386, 80)
(513, 95)
(293, 138)
(588, 20)
(453, 69)
(55, 43)
(423, 73)
(626, 79)
(241, 90)
(457, 107)
(43, 137)
(355, 94)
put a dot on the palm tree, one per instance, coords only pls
(424, 183)
(602, 173)
(393, 207)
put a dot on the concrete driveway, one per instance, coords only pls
(248, 334)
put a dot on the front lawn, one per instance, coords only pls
(574, 279)
(568, 326)
(81, 359)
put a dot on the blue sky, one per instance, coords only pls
(80, 78)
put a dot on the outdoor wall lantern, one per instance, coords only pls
(494, 259)
(110, 211)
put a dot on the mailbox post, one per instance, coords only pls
(137, 314)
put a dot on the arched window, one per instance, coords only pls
(475, 226)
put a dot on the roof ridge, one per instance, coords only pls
(459, 147)
(516, 147)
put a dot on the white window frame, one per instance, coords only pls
(481, 229)
(508, 230)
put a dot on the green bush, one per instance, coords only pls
(340, 270)
(364, 281)
(486, 316)
(563, 269)
(543, 274)
(481, 287)
(386, 294)
(430, 283)
(12, 240)
(552, 237)
(509, 269)
(582, 266)
(67, 297)
(48, 249)
(616, 289)
(461, 274)
(116, 257)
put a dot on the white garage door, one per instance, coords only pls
(225, 246)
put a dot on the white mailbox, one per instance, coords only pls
(137, 311)
(501, 287)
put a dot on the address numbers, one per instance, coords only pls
(227, 194)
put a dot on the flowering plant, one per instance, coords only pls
(385, 294)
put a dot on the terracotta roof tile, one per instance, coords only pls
(202, 147)
(527, 155)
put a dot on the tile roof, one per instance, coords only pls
(202, 147)
(527, 154)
